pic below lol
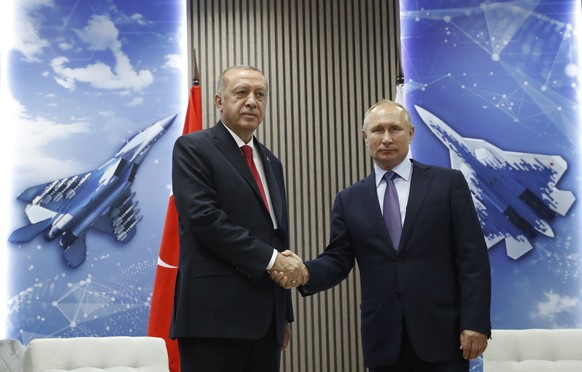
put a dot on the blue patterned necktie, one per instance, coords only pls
(392, 209)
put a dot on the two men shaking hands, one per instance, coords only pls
(289, 271)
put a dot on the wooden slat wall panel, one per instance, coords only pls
(326, 62)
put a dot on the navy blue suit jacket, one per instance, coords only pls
(437, 284)
(226, 240)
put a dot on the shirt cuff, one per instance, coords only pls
(273, 258)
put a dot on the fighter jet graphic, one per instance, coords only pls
(515, 193)
(101, 199)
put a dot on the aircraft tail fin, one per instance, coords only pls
(28, 232)
(76, 253)
(32, 192)
(517, 247)
(563, 201)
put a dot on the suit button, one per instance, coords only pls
(398, 260)
(398, 295)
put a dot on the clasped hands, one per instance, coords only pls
(289, 271)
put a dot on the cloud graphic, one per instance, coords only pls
(101, 34)
(135, 102)
(39, 163)
(27, 40)
(174, 61)
(139, 19)
(555, 307)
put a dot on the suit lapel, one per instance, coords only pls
(228, 147)
(419, 186)
(272, 182)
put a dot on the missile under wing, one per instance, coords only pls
(515, 193)
(100, 199)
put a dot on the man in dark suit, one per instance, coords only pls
(425, 283)
(229, 316)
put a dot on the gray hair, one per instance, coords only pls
(407, 118)
(222, 81)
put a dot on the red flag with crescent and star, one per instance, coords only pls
(163, 292)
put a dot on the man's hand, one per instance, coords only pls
(473, 344)
(299, 275)
(286, 337)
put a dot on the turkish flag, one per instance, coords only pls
(163, 293)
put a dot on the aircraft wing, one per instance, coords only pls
(45, 200)
(494, 223)
(515, 194)
(31, 193)
(101, 199)
(121, 219)
(28, 232)
(539, 173)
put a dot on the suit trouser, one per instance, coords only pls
(230, 355)
(409, 361)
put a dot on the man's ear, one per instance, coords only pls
(218, 102)
(364, 135)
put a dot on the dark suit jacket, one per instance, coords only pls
(226, 240)
(437, 284)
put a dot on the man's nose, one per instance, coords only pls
(387, 138)
(251, 100)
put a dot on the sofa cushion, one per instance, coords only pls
(94, 354)
(533, 350)
(532, 366)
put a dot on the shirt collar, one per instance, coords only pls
(238, 140)
(403, 170)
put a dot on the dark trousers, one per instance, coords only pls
(409, 361)
(230, 355)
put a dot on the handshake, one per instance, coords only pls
(289, 271)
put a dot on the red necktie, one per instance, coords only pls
(248, 152)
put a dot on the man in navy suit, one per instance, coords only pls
(426, 288)
(229, 316)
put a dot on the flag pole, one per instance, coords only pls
(196, 74)
(400, 88)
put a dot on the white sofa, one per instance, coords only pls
(11, 356)
(534, 350)
(111, 354)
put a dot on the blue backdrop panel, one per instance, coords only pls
(97, 86)
(491, 87)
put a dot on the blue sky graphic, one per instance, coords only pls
(507, 72)
(84, 77)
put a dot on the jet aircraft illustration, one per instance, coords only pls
(100, 199)
(515, 193)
